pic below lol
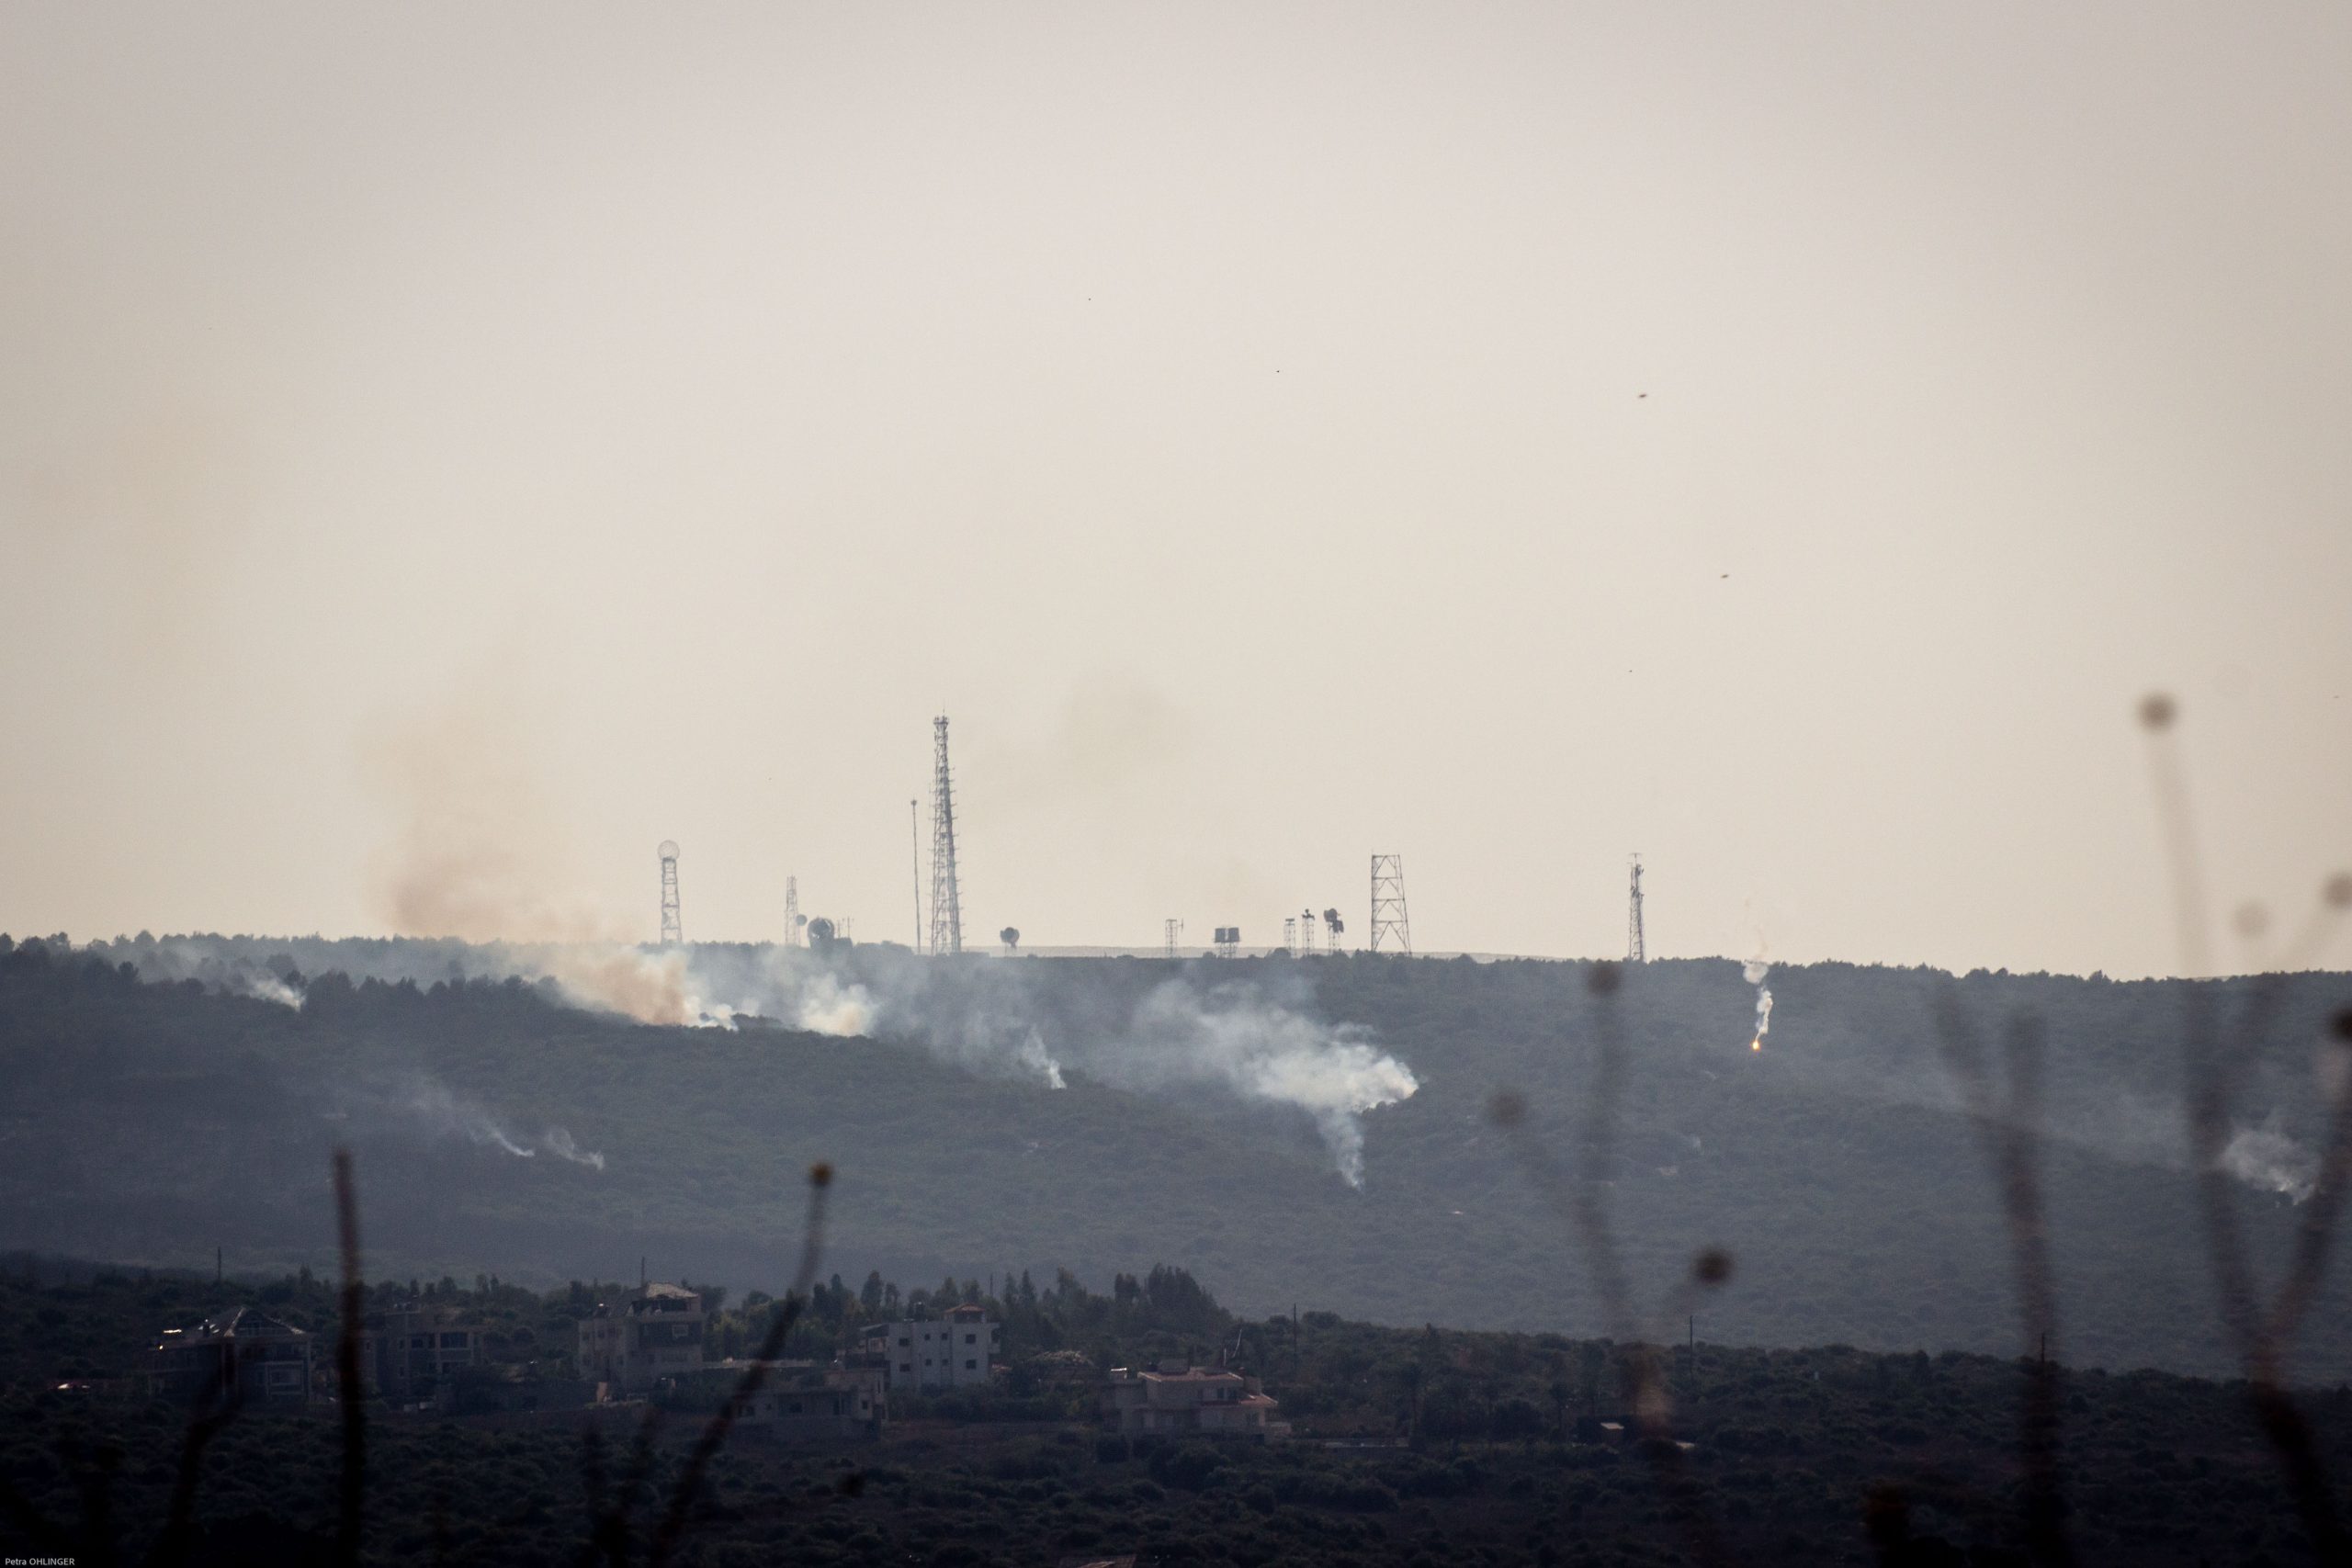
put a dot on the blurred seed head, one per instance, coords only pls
(2251, 920)
(1507, 1108)
(1603, 978)
(1711, 1267)
(2341, 1025)
(2156, 711)
(2336, 891)
(821, 1174)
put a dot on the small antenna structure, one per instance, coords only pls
(792, 921)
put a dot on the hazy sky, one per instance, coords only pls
(446, 450)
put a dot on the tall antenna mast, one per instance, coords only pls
(946, 903)
(792, 921)
(914, 848)
(673, 934)
(1388, 917)
(1636, 949)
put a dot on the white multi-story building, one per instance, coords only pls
(954, 1352)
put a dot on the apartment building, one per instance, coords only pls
(954, 1352)
(653, 1332)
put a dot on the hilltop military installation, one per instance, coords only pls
(939, 919)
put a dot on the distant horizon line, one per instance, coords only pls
(1157, 952)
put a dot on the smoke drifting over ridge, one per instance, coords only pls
(1259, 1040)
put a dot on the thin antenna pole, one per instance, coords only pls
(914, 848)
(1637, 944)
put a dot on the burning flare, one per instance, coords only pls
(1754, 973)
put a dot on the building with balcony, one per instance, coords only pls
(1179, 1400)
(653, 1332)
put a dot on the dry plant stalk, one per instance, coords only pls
(1582, 1201)
(2009, 1129)
(2218, 1058)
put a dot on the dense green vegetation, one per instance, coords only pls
(1486, 1448)
(151, 1122)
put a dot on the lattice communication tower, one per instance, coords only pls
(792, 921)
(673, 933)
(1388, 917)
(946, 902)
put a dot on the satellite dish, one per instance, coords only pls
(669, 849)
(1010, 936)
(820, 931)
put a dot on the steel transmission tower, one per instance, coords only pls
(1637, 949)
(1388, 917)
(792, 921)
(673, 934)
(1174, 929)
(947, 903)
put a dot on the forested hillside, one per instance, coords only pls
(497, 1129)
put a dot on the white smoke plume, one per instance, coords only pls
(991, 1018)
(827, 1007)
(175, 959)
(1754, 973)
(1232, 1035)
(1260, 1042)
(444, 1113)
(266, 986)
(558, 1143)
(2266, 1158)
